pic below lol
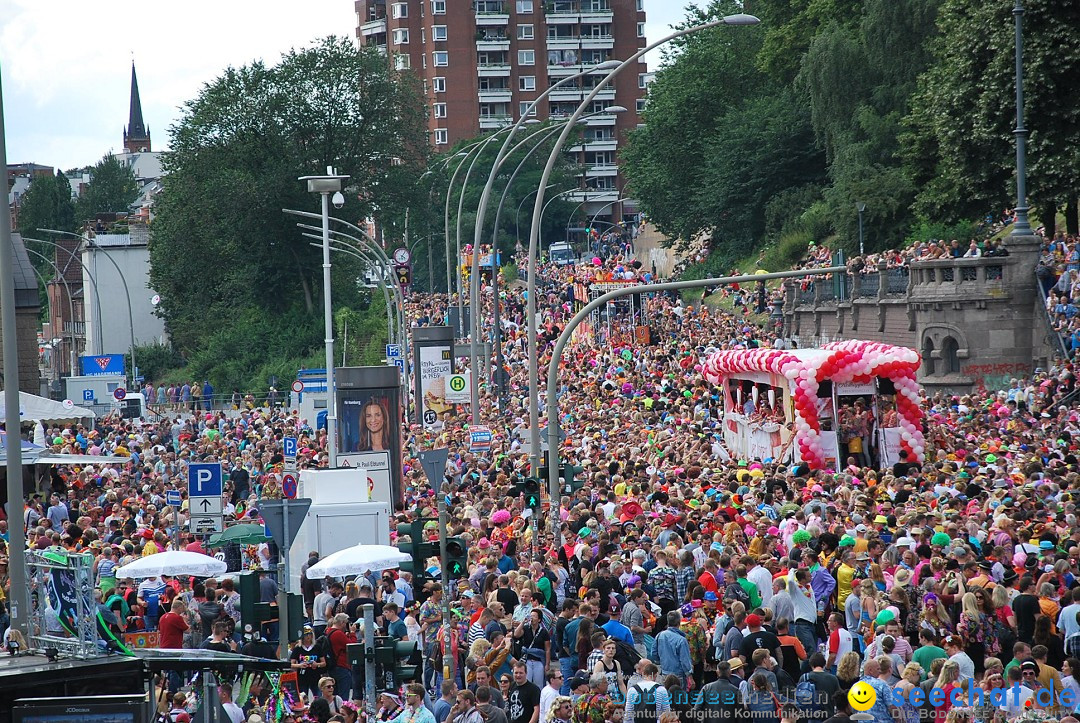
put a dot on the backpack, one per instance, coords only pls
(644, 703)
(734, 591)
(626, 655)
(808, 700)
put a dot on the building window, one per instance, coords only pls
(439, 110)
(642, 80)
(438, 33)
(399, 10)
(641, 103)
(401, 36)
(525, 32)
(401, 61)
(524, 6)
(928, 357)
(527, 82)
(438, 85)
(441, 58)
(440, 137)
(526, 57)
(523, 109)
(950, 355)
(641, 30)
(438, 7)
(641, 6)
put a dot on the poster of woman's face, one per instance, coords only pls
(369, 420)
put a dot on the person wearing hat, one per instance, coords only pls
(308, 660)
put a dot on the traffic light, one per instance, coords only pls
(420, 552)
(569, 475)
(457, 558)
(295, 602)
(252, 612)
(531, 489)
(392, 669)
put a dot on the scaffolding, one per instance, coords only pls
(60, 598)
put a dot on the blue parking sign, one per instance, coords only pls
(204, 480)
(88, 395)
(288, 445)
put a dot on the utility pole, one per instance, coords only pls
(434, 463)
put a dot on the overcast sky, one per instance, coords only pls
(67, 63)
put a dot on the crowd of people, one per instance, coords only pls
(684, 582)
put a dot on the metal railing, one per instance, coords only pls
(867, 285)
(896, 281)
(1051, 331)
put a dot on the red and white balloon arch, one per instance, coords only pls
(840, 362)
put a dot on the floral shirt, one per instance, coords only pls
(590, 708)
(695, 636)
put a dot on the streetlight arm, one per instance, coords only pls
(534, 233)
(349, 251)
(71, 301)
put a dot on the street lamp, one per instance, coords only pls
(534, 234)
(1021, 227)
(325, 186)
(478, 227)
(71, 302)
(71, 257)
(860, 207)
(131, 316)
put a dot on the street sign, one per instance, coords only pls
(298, 386)
(288, 485)
(119, 393)
(393, 351)
(434, 463)
(88, 395)
(172, 498)
(204, 496)
(479, 439)
(207, 524)
(430, 417)
(457, 388)
(399, 362)
(288, 445)
(273, 514)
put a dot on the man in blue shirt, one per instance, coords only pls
(674, 651)
(881, 708)
(617, 630)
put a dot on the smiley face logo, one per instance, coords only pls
(862, 696)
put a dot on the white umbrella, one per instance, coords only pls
(172, 562)
(357, 560)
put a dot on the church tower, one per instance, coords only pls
(136, 135)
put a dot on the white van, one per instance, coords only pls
(562, 253)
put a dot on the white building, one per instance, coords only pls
(111, 260)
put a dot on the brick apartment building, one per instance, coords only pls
(483, 61)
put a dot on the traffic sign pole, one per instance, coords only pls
(434, 464)
(283, 587)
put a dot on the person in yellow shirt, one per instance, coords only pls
(861, 543)
(845, 576)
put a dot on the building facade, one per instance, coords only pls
(483, 62)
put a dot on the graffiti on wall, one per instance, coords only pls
(994, 377)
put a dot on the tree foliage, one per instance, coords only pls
(112, 187)
(960, 145)
(46, 204)
(239, 282)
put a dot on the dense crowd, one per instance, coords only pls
(686, 582)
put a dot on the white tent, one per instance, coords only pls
(33, 408)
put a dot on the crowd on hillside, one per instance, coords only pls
(688, 582)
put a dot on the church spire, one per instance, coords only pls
(136, 135)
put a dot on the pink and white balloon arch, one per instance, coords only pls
(840, 362)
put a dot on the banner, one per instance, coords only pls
(889, 446)
(435, 366)
(102, 365)
(370, 426)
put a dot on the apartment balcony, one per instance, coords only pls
(563, 71)
(594, 195)
(486, 18)
(597, 17)
(562, 17)
(492, 44)
(598, 42)
(491, 122)
(599, 170)
(373, 27)
(606, 144)
(569, 93)
(493, 70)
(601, 121)
(564, 42)
(495, 95)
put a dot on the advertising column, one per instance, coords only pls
(433, 362)
(370, 428)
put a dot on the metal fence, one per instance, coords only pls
(806, 296)
(867, 285)
(896, 281)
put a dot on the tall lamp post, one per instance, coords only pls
(1021, 227)
(73, 257)
(860, 207)
(534, 234)
(325, 186)
(12, 418)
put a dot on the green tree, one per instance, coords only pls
(960, 147)
(46, 204)
(112, 187)
(239, 282)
